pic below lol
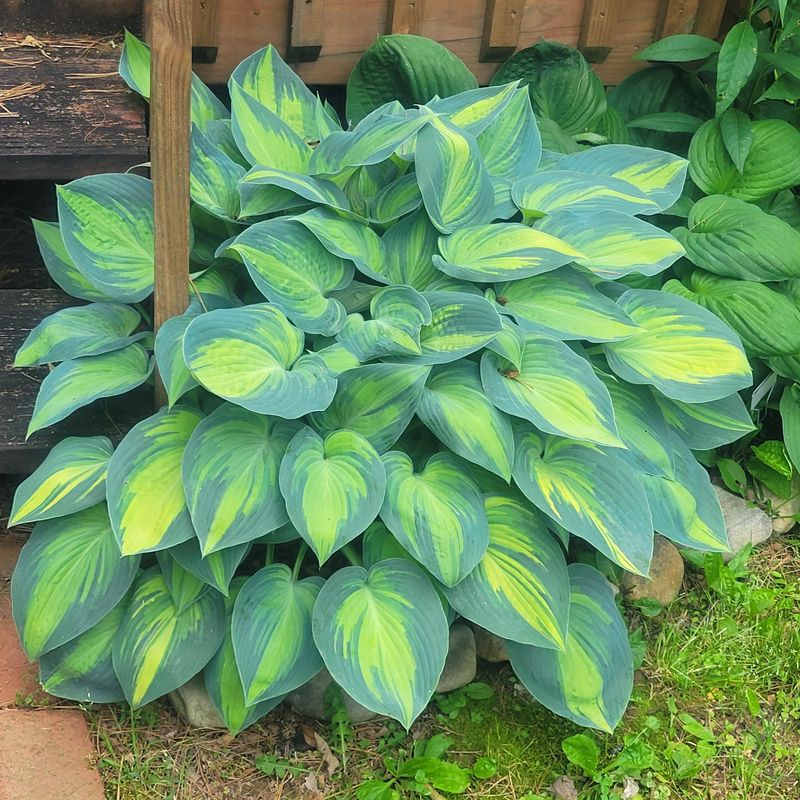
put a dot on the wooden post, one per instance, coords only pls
(675, 16)
(170, 127)
(598, 27)
(405, 16)
(305, 30)
(501, 26)
(205, 31)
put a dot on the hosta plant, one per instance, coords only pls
(410, 383)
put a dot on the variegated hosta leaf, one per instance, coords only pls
(214, 177)
(590, 682)
(475, 109)
(436, 514)
(80, 381)
(565, 305)
(68, 576)
(486, 253)
(252, 357)
(220, 133)
(333, 488)
(549, 191)
(172, 368)
(271, 632)
(223, 683)
(613, 244)
(377, 401)
(216, 569)
(658, 175)
(455, 186)
(408, 248)
(396, 315)
(296, 273)
(230, 476)
(591, 491)
(146, 502)
(554, 388)
(184, 587)
(456, 410)
(705, 426)
(158, 649)
(72, 477)
(378, 544)
(509, 343)
(61, 267)
(337, 358)
(683, 350)
(80, 331)
(107, 227)
(520, 588)
(399, 198)
(383, 636)
(265, 190)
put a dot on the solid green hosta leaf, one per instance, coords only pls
(666, 121)
(474, 110)
(383, 636)
(706, 426)
(158, 649)
(750, 308)
(565, 305)
(772, 162)
(262, 137)
(411, 69)
(80, 381)
(613, 244)
(658, 175)
(59, 265)
(562, 85)
(172, 368)
(107, 227)
(80, 331)
(271, 632)
(520, 588)
(408, 248)
(296, 273)
(590, 682)
(252, 357)
(72, 477)
(455, 185)
(436, 514)
(230, 476)
(683, 350)
(399, 198)
(396, 315)
(82, 669)
(554, 388)
(736, 239)
(333, 488)
(68, 576)
(265, 190)
(591, 491)
(485, 253)
(223, 683)
(456, 410)
(377, 401)
(214, 177)
(790, 418)
(736, 60)
(548, 191)
(679, 47)
(146, 502)
(736, 130)
(216, 569)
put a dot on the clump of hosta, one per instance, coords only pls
(414, 380)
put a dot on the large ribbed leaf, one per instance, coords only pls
(157, 649)
(216, 569)
(520, 588)
(790, 418)
(383, 636)
(107, 227)
(704, 426)
(68, 576)
(146, 502)
(333, 488)
(589, 490)
(397, 199)
(475, 109)
(72, 477)
(184, 587)
(408, 248)
(590, 682)
(264, 190)
(172, 368)
(683, 350)
(230, 476)
(736, 60)
(252, 357)
(436, 514)
(214, 177)
(271, 632)
(554, 388)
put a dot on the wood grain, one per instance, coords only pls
(305, 30)
(709, 17)
(501, 27)
(675, 16)
(405, 16)
(598, 29)
(205, 30)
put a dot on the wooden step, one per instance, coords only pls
(64, 110)
(21, 310)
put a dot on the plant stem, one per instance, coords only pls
(270, 555)
(198, 295)
(298, 562)
(351, 554)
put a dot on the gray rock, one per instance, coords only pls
(563, 788)
(194, 706)
(783, 511)
(746, 524)
(461, 663)
(489, 646)
(309, 700)
(666, 575)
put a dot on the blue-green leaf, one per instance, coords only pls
(169, 358)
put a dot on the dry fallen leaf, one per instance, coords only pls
(330, 760)
(563, 788)
(629, 789)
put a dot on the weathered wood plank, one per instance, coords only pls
(675, 16)
(305, 30)
(405, 16)
(708, 18)
(205, 31)
(501, 27)
(598, 29)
